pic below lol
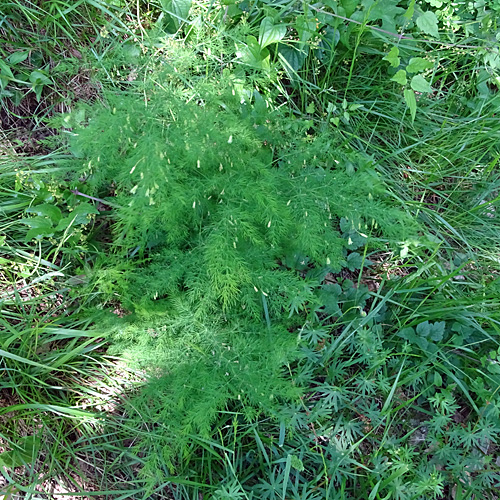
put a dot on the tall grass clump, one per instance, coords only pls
(56, 378)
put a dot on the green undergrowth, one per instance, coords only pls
(57, 380)
(264, 263)
(224, 208)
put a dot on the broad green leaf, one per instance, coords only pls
(39, 233)
(420, 84)
(24, 452)
(387, 11)
(292, 58)
(411, 102)
(85, 209)
(51, 211)
(80, 214)
(65, 223)
(411, 10)
(17, 57)
(311, 108)
(233, 11)
(494, 368)
(37, 222)
(5, 70)
(424, 329)
(349, 6)
(428, 23)
(297, 463)
(305, 27)
(39, 78)
(270, 33)
(400, 77)
(393, 57)
(432, 331)
(329, 296)
(177, 11)
(437, 331)
(252, 54)
(407, 333)
(418, 64)
(38, 91)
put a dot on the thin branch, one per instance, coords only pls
(104, 202)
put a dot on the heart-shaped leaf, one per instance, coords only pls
(418, 64)
(393, 57)
(428, 23)
(400, 77)
(420, 84)
(270, 33)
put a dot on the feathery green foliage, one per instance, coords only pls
(284, 215)
(205, 202)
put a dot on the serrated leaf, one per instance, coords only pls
(354, 261)
(270, 33)
(423, 343)
(420, 84)
(424, 329)
(400, 77)
(411, 102)
(418, 64)
(407, 334)
(329, 296)
(345, 224)
(428, 23)
(297, 463)
(393, 57)
(437, 331)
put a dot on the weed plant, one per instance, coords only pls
(295, 212)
